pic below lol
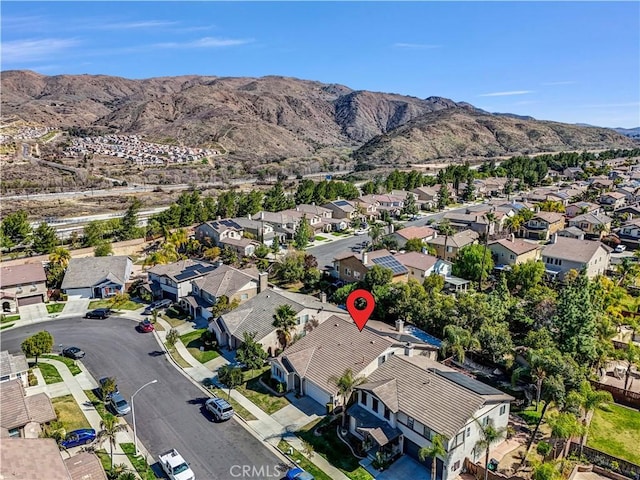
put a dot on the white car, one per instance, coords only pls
(360, 232)
(175, 466)
(620, 248)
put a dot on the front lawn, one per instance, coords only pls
(303, 462)
(615, 431)
(73, 368)
(9, 318)
(129, 305)
(54, 307)
(69, 413)
(139, 462)
(193, 343)
(332, 448)
(50, 373)
(97, 403)
(6, 325)
(177, 357)
(260, 396)
(320, 238)
(174, 317)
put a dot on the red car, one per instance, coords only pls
(145, 326)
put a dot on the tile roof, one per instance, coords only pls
(591, 218)
(440, 403)
(90, 271)
(256, 314)
(85, 466)
(22, 274)
(12, 364)
(343, 205)
(459, 239)
(550, 217)
(516, 245)
(225, 280)
(182, 270)
(32, 459)
(315, 209)
(417, 260)
(416, 232)
(332, 347)
(40, 408)
(573, 249)
(14, 412)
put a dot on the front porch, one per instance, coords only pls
(381, 442)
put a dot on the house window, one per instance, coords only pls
(347, 271)
(14, 432)
(485, 421)
(468, 432)
(410, 422)
(244, 296)
(387, 413)
(455, 466)
(303, 319)
(374, 404)
(5, 378)
(356, 274)
(512, 257)
(459, 440)
(363, 398)
(503, 409)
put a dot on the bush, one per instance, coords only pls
(543, 448)
(33, 380)
(530, 416)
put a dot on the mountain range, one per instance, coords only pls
(275, 118)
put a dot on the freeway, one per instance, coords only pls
(168, 414)
(326, 252)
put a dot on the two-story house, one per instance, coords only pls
(594, 226)
(512, 251)
(22, 285)
(427, 196)
(327, 222)
(408, 400)
(542, 225)
(14, 367)
(173, 280)
(579, 208)
(421, 265)
(476, 222)
(256, 315)
(630, 230)
(612, 200)
(342, 209)
(262, 231)
(225, 234)
(352, 267)
(21, 415)
(453, 243)
(391, 203)
(564, 254)
(423, 233)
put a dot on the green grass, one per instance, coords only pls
(8, 325)
(320, 238)
(238, 409)
(303, 462)
(69, 413)
(193, 343)
(50, 373)
(333, 449)
(105, 459)
(97, 403)
(129, 305)
(139, 462)
(54, 307)
(260, 396)
(615, 431)
(10, 318)
(70, 363)
(177, 357)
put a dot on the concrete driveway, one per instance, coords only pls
(404, 467)
(33, 312)
(76, 306)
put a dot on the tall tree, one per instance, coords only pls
(45, 239)
(230, 376)
(375, 232)
(38, 344)
(15, 228)
(473, 262)
(285, 322)
(303, 234)
(457, 341)
(251, 352)
(445, 228)
(275, 200)
(103, 249)
(110, 426)
(437, 449)
(410, 207)
(587, 400)
(346, 384)
(564, 425)
(489, 434)
(444, 197)
(60, 256)
(94, 233)
(491, 219)
(129, 226)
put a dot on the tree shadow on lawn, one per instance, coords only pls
(329, 445)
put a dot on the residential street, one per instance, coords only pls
(168, 414)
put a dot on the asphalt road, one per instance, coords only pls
(325, 253)
(168, 414)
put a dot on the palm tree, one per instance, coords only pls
(601, 228)
(491, 218)
(346, 383)
(588, 399)
(110, 426)
(564, 426)
(514, 223)
(457, 340)
(535, 368)
(437, 449)
(489, 434)
(285, 322)
(375, 232)
(445, 228)
(626, 269)
(60, 256)
(631, 354)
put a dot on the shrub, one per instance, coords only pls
(543, 448)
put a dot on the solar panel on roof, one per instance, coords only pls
(469, 383)
(391, 263)
(341, 203)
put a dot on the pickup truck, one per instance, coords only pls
(175, 466)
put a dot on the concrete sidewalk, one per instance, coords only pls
(76, 385)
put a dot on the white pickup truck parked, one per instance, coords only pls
(175, 466)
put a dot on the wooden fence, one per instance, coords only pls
(477, 471)
(621, 396)
(606, 461)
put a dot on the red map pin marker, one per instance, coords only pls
(361, 317)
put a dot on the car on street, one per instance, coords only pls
(620, 248)
(84, 436)
(145, 326)
(360, 232)
(298, 473)
(119, 404)
(73, 352)
(100, 313)
(175, 466)
(219, 408)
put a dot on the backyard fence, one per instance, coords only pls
(621, 396)
(606, 461)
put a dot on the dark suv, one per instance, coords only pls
(101, 313)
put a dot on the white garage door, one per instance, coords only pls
(316, 393)
(80, 292)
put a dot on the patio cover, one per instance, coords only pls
(379, 430)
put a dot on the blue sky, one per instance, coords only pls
(571, 62)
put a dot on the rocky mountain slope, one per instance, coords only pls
(273, 118)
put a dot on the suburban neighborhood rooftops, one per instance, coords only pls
(89, 271)
(85, 466)
(416, 232)
(459, 239)
(183, 270)
(517, 246)
(549, 217)
(418, 260)
(18, 410)
(12, 364)
(332, 347)
(25, 274)
(17, 457)
(390, 262)
(225, 280)
(591, 218)
(573, 249)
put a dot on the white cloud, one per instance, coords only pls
(565, 82)
(206, 42)
(416, 46)
(134, 25)
(28, 50)
(506, 94)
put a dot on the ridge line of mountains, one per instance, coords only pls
(274, 118)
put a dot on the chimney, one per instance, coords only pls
(365, 258)
(218, 218)
(512, 237)
(323, 297)
(249, 216)
(554, 238)
(399, 325)
(262, 215)
(263, 278)
(408, 349)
